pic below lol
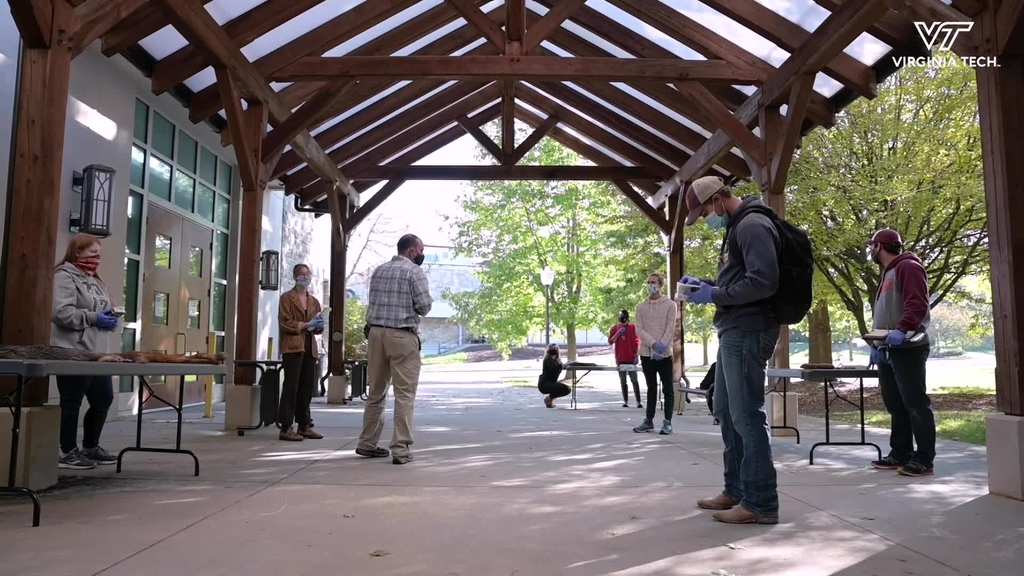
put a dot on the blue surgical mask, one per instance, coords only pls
(717, 222)
(302, 281)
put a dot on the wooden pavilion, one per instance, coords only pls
(652, 106)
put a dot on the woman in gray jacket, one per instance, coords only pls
(82, 318)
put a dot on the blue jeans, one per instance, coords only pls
(739, 406)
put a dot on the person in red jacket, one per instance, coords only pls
(627, 346)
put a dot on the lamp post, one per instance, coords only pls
(547, 277)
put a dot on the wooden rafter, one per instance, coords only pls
(338, 215)
(310, 116)
(653, 214)
(146, 21)
(934, 11)
(388, 172)
(243, 30)
(95, 18)
(832, 36)
(891, 27)
(319, 68)
(196, 25)
(508, 121)
(479, 135)
(34, 19)
(536, 136)
(782, 158)
(544, 27)
(246, 151)
(515, 27)
(491, 31)
(373, 203)
(1010, 27)
(737, 130)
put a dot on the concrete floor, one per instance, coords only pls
(503, 486)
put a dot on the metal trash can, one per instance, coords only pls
(357, 379)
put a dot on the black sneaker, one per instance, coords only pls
(99, 455)
(887, 463)
(74, 460)
(916, 469)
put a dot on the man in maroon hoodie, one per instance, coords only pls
(627, 347)
(902, 306)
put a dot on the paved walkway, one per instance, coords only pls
(503, 486)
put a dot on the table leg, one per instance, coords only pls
(12, 473)
(785, 410)
(863, 434)
(138, 431)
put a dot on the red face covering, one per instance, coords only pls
(88, 265)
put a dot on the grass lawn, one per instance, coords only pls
(951, 425)
(520, 383)
(457, 358)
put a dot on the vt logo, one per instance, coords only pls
(941, 35)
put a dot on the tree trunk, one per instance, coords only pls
(570, 340)
(849, 344)
(819, 334)
(704, 341)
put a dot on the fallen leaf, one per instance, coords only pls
(632, 516)
(734, 547)
(721, 572)
(379, 553)
(866, 518)
(348, 515)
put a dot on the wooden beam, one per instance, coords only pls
(1010, 27)
(515, 26)
(374, 202)
(338, 216)
(478, 135)
(476, 17)
(245, 156)
(34, 214)
(508, 121)
(737, 130)
(935, 12)
(540, 30)
(891, 27)
(97, 17)
(318, 68)
(197, 26)
(190, 60)
(796, 109)
(147, 21)
(831, 36)
(677, 220)
(34, 19)
(638, 200)
(390, 172)
(536, 136)
(311, 115)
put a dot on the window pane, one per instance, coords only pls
(162, 252)
(159, 178)
(131, 290)
(220, 256)
(184, 190)
(133, 243)
(223, 211)
(195, 261)
(127, 383)
(138, 167)
(193, 313)
(160, 312)
(163, 136)
(187, 150)
(224, 178)
(141, 121)
(204, 202)
(208, 166)
(219, 305)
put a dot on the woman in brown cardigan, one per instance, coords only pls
(300, 322)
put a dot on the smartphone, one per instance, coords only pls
(687, 287)
(324, 312)
(118, 311)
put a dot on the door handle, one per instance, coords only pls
(184, 337)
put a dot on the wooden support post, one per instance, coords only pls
(675, 274)
(33, 209)
(771, 124)
(508, 122)
(336, 330)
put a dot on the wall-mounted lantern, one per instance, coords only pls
(95, 185)
(270, 270)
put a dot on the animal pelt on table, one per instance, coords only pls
(9, 352)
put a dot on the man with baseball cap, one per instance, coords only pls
(902, 306)
(748, 276)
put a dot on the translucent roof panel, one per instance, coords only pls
(167, 40)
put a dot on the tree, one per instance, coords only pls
(355, 317)
(587, 232)
(373, 244)
(909, 160)
(950, 327)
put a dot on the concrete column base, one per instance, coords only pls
(242, 406)
(38, 446)
(774, 407)
(1005, 447)
(338, 389)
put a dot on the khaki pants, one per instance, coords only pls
(394, 359)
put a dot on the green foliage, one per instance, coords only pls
(355, 317)
(951, 327)
(910, 160)
(597, 243)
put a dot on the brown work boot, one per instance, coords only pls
(310, 434)
(740, 515)
(289, 435)
(720, 502)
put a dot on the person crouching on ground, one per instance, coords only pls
(82, 318)
(550, 371)
(300, 321)
(627, 348)
(656, 324)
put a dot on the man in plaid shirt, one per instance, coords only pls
(399, 294)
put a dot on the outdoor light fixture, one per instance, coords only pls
(270, 270)
(95, 185)
(547, 278)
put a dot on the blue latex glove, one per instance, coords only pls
(315, 324)
(702, 296)
(106, 320)
(622, 331)
(690, 280)
(874, 356)
(658, 349)
(896, 338)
